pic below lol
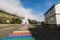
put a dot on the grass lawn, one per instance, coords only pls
(8, 25)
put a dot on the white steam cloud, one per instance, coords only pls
(15, 7)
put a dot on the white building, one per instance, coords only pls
(52, 16)
(25, 20)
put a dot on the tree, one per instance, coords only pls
(32, 21)
(16, 21)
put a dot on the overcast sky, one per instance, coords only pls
(33, 9)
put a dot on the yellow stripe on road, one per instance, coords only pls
(20, 31)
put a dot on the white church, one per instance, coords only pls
(25, 20)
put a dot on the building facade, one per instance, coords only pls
(52, 16)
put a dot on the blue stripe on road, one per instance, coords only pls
(29, 36)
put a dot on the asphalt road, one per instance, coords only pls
(42, 34)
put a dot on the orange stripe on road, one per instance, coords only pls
(21, 33)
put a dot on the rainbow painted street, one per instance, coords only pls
(19, 34)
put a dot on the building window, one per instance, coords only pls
(52, 19)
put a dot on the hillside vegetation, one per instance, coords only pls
(9, 18)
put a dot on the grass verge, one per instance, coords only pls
(8, 25)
